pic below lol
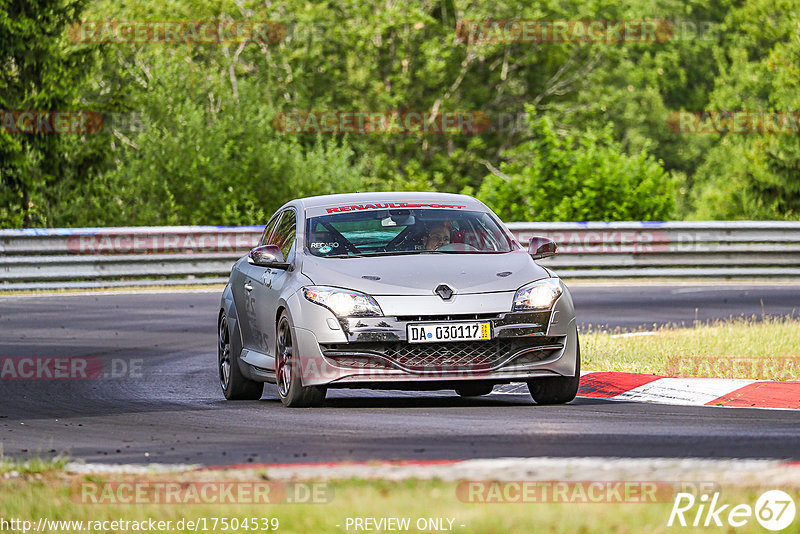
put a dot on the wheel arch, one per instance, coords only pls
(290, 305)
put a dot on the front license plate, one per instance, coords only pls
(438, 332)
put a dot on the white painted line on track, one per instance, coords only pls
(126, 469)
(511, 389)
(737, 472)
(105, 292)
(691, 391)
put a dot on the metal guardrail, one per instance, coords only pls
(670, 249)
(168, 255)
(125, 256)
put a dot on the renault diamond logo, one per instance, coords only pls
(444, 291)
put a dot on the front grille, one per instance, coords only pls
(456, 356)
(477, 355)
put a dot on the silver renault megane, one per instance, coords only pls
(414, 291)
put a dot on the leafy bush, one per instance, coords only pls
(210, 164)
(563, 177)
(755, 175)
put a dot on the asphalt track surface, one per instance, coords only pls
(171, 409)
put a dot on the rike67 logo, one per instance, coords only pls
(774, 510)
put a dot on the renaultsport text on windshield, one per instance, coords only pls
(385, 205)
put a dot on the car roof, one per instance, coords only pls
(412, 197)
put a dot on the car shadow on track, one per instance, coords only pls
(402, 399)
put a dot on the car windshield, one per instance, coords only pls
(405, 231)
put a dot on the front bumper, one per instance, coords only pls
(374, 352)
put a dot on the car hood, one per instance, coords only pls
(419, 274)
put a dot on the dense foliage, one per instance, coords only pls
(569, 178)
(579, 130)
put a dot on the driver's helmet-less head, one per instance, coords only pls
(437, 235)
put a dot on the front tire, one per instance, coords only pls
(287, 372)
(235, 386)
(557, 389)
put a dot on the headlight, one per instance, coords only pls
(343, 302)
(538, 296)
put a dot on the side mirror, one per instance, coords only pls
(541, 247)
(268, 256)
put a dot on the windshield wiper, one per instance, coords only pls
(391, 253)
(372, 254)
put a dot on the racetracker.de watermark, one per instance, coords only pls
(583, 491)
(187, 31)
(139, 243)
(50, 122)
(603, 241)
(382, 122)
(200, 492)
(564, 31)
(69, 368)
(734, 122)
(628, 240)
(770, 368)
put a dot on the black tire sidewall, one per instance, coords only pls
(297, 396)
(557, 390)
(239, 386)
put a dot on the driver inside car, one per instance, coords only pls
(437, 236)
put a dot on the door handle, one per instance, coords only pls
(248, 287)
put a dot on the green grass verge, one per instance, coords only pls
(53, 496)
(35, 465)
(737, 348)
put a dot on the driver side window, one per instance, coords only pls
(285, 232)
(268, 230)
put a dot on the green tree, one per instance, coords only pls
(209, 151)
(190, 163)
(564, 177)
(39, 71)
(756, 175)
